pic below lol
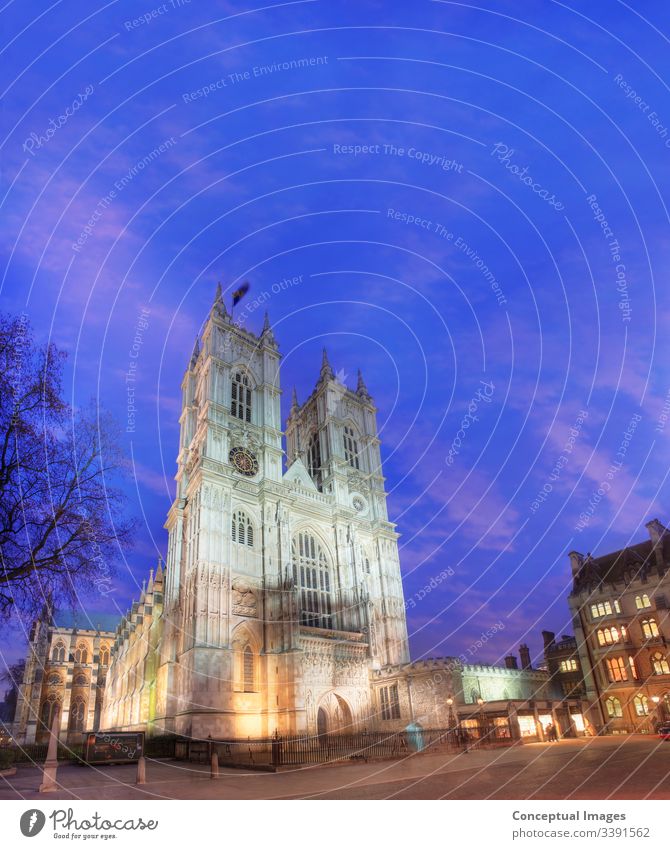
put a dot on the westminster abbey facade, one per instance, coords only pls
(280, 608)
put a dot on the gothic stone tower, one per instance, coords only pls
(283, 590)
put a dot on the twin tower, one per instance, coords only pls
(282, 589)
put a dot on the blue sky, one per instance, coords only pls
(473, 199)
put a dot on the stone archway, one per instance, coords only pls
(334, 715)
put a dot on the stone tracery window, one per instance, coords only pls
(616, 669)
(613, 707)
(314, 460)
(649, 628)
(77, 714)
(240, 397)
(81, 654)
(248, 669)
(104, 656)
(641, 705)
(311, 573)
(351, 447)
(642, 601)
(659, 664)
(242, 531)
(50, 707)
(58, 652)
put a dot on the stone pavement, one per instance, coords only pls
(633, 767)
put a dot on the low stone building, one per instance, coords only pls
(493, 701)
(64, 675)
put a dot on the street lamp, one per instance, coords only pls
(451, 722)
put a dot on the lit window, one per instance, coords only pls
(641, 705)
(613, 707)
(240, 393)
(633, 667)
(311, 574)
(569, 665)
(649, 628)
(242, 531)
(604, 608)
(659, 664)
(390, 703)
(351, 448)
(642, 601)
(616, 669)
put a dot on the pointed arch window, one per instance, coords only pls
(650, 628)
(616, 669)
(351, 448)
(50, 708)
(58, 653)
(659, 663)
(240, 397)
(641, 705)
(311, 574)
(104, 656)
(77, 713)
(242, 531)
(314, 460)
(642, 601)
(81, 654)
(248, 669)
(613, 707)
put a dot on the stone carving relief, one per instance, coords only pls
(244, 599)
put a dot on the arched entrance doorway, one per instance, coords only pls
(334, 716)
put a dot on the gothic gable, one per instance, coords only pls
(297, 473)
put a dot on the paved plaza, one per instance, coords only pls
(634, 767)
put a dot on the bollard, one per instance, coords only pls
(214, 773)
(141, 771)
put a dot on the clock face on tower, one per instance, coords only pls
(244, 461)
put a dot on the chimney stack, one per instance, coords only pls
(576, 562)
(549, 639)
(510, 662)
(524, 654)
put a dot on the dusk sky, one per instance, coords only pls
(469, 202)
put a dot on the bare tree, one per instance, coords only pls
(61, 509)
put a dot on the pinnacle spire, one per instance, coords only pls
(196, 352)
(361, 388)
(326, 368)
(219, 305)
(294, 399)
(267, 335)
